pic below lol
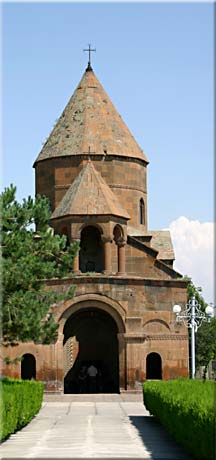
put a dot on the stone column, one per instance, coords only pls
(107, 256)
(121, 257)
(76, 260)
(122, 362)
(76, 264)
(59, 363)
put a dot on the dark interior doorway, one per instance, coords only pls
(154, 367)
(28, 367)
(91, 250)
(95, 334)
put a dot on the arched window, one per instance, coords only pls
(142, 211)
(153, 366)
(28, 367)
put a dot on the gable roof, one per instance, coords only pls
(160, 240)
(154, 254)
(89, 195)
(90, 121)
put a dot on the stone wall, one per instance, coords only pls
(142, 310)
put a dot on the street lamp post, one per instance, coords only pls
(193, 317)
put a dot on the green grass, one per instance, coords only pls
(186, 409)
(20, 401)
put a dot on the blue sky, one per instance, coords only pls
(155, 61)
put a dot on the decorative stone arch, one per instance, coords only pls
(154, 366)
(156, 325)
(28, 367)
(114, 308)
(77, 228)
(93, 224)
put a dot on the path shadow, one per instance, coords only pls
(156, 440)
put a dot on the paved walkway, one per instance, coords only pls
(92, 426)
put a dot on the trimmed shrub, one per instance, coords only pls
(186, 410)
(20, 401)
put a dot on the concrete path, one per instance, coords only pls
(98, 427)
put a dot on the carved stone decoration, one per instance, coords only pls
(70, 350)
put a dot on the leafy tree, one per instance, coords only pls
(193, 290)
(206, 345)
(206, 333)
(28, 259)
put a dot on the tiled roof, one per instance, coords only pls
(160, 240)
(90, 121)
(89, 195)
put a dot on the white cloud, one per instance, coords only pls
(193, 243)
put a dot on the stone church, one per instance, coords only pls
(120, 319)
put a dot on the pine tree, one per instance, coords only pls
(28, 259)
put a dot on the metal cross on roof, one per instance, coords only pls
(89, 151)
(89, 51)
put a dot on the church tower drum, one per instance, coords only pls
(90, 127)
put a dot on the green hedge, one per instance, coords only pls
(20, 401)
(186, 409)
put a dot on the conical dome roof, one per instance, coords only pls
(89, 195)
(90, 123)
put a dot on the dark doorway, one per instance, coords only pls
(153, 367)
(91, 250)
(28, 367)
(95, 336)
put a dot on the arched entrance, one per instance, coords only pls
(153, 366)
(28, 367)
(91, 250)
(90, 338)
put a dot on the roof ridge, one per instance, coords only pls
(84, 122)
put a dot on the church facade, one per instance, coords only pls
(120, 319)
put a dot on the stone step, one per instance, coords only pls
(99, 397)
